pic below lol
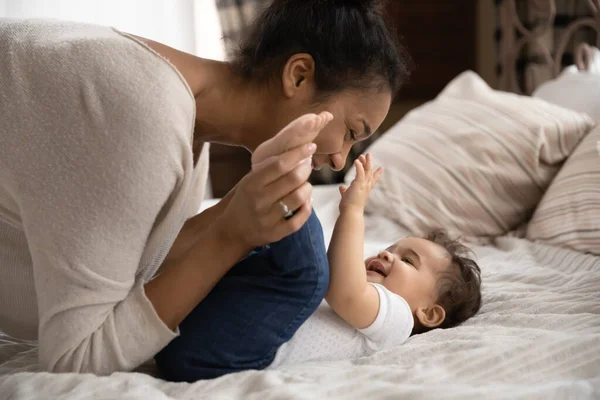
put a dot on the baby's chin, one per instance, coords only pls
(374, 277)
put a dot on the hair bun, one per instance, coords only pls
(370, 4)
(366, 4)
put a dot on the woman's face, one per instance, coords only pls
(356, 113)
(356, 116)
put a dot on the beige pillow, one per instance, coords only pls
(569, 213)
(474, 161)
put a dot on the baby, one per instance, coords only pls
(269, 311)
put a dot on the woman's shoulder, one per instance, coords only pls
(101, 59)
(97, 73)
(95, 95)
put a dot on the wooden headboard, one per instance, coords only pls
(540, 37)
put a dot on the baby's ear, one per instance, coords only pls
(431, 317)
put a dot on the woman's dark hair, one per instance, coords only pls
(348, 39)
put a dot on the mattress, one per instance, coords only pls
(537, 336)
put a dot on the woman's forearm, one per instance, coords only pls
(187, 280)
(188, 235)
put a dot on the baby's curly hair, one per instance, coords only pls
(459, 287)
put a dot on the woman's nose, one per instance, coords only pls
(337, 161)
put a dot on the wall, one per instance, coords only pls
(486, 46)
(208, 33)
(486, 59)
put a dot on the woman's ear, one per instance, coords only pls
(299, 76)
(431, 317)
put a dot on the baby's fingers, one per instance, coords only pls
(360, 170)
(343, 189)
(377, 175)
(369, 162)
(363, 161)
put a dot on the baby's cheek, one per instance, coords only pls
(399, 285)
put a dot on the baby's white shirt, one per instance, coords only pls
(327, 337)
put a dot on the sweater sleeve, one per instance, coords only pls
(101, 161)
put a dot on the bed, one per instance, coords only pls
(537, 335)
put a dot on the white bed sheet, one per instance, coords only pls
(537, 337)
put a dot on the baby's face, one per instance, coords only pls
(410, 268)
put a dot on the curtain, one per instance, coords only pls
(236, 16)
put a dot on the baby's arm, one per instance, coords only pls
(349, 294)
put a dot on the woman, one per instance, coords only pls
(102, 166)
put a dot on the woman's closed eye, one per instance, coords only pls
(353, 135)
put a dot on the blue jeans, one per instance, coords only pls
(257, 306)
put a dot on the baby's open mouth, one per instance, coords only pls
(377, 267)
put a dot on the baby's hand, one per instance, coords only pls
(366, 177)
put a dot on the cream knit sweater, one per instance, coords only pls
(96, 179)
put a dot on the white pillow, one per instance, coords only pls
(579, 91)
(474, 161)
(569, 213)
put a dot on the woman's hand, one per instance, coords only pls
(278, 180)
(366, 178)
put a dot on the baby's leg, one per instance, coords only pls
(252, 311)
